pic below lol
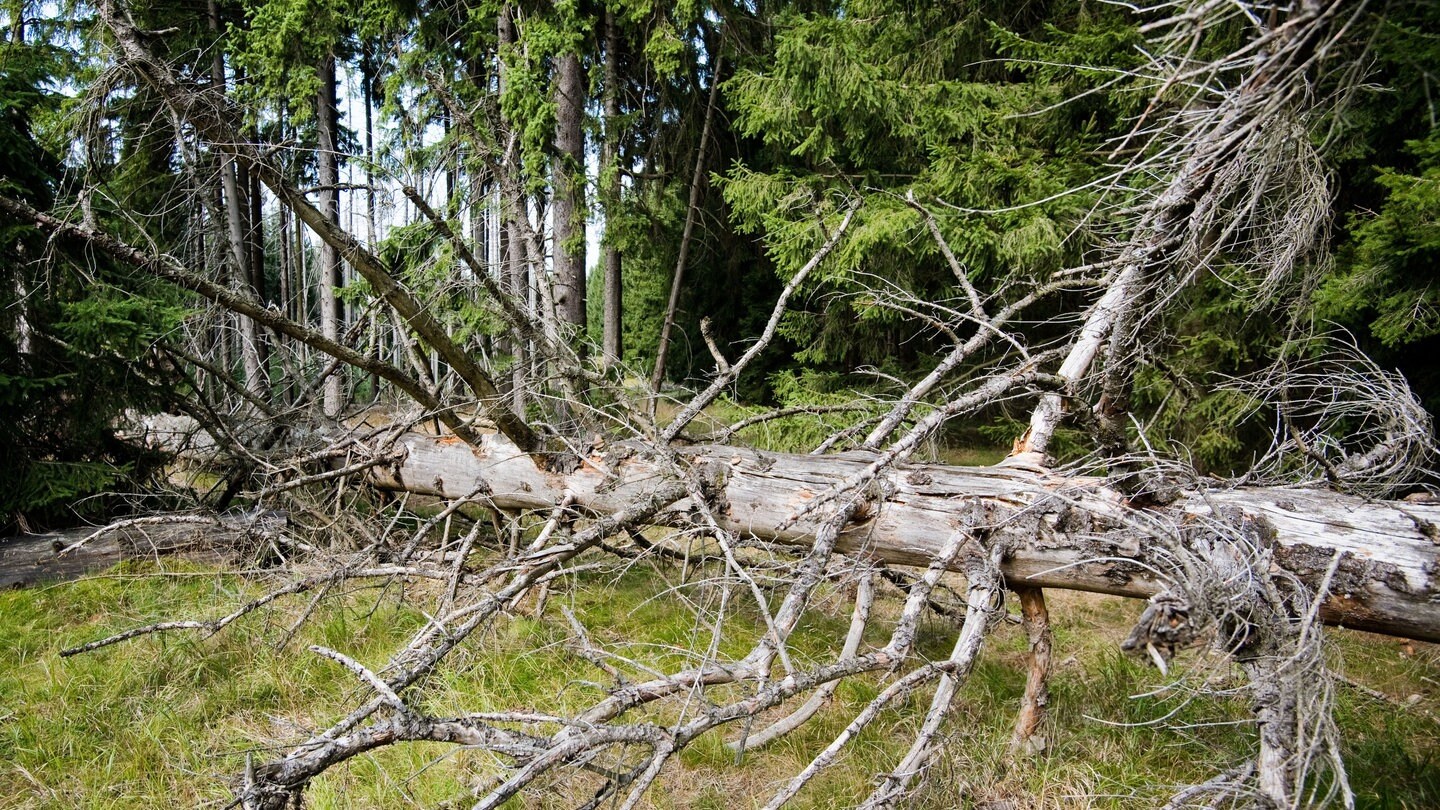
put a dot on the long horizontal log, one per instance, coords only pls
(33, 559)
(1067, 532)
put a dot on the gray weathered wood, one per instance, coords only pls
(32, 559)
(1068, 532)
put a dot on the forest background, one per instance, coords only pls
(300, 227)
(697, 141)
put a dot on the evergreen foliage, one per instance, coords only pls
(1036, 152)
(74, 330)
(1388, 242)
(1001, 121)
(937, 103)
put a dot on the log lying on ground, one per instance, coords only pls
(1067, 532)
(32, 559)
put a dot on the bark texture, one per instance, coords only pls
(326, 126)
(33, 559)
(569, 204)
(1064, 532)
(612, 350)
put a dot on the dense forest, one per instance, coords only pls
(484, 297)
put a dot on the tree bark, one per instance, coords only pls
(236, 189)
(512, 210)
(1035, 618)
(326, 126)
(367, 90)
(612, 349)
(568, 209)
(34, 559)
(1067, 532)
(255, 253)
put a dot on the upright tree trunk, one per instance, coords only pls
(452, 163)
(286, 258)
(255, 253)
(367, 89)
(512, 209)
(301, 283)
(17, 21)
(326, 126)
(568, 209)
(237, 221)
(612, 350)
(691, 212)
(23, 337)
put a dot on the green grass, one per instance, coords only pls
(801, 433)
(167, 720)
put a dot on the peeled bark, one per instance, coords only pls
(1036, 619)
(1067, 532)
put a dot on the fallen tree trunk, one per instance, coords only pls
(1067, 532)
(32, 559)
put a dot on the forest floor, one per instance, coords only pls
(168, 720)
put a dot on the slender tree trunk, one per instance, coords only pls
(691, 212)
(367, 89)
(23, 335)
(302, 285)
(285, 277)
(518, 285)
(326, 126)
(568, 209)
(237, 213)
(512, 210)
(17, 21)
(255, 253)
(220, 259)
(452, 167)
(612, 349)
(537, 289)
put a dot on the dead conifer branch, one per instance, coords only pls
(1219, 174)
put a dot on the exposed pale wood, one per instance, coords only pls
(1068, 532)
(1046, 417)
